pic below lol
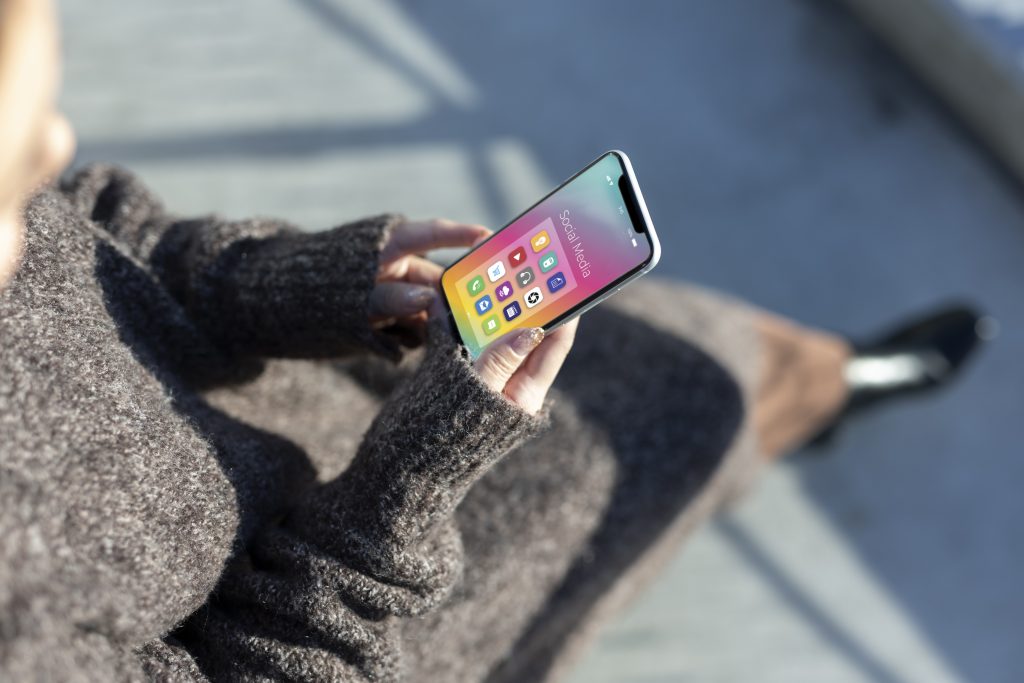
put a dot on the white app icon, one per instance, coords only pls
(495, 271)
(533, 297)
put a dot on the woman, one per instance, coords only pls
(186, 495)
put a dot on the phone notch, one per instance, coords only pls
(636, 216)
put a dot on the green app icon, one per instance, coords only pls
(548, 261)
(476, 285)
(491, 325)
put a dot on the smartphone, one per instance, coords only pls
(584, 241)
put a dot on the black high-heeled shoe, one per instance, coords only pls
(916, 357)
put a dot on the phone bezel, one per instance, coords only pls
(597, 297)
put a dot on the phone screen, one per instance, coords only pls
(576, 243)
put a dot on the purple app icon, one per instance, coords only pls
(504, 290)
(556, 282)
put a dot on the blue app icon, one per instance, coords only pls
(556, 282)
(512, 310)
(483, 304)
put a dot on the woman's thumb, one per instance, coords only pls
(500, 360)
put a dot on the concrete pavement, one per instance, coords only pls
(785, 158)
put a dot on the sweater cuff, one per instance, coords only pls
(437, 435)
(300, 295)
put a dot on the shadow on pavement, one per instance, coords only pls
(788, 161)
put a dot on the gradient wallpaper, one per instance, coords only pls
(571, 245)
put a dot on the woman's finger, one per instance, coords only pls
(415, 269)
(410, 331)
(418, 237)
(437, 309)
(500, 360)
(529, 385)
(400, 299)
(423, 272)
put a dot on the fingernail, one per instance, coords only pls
(527, 340)
(421, 296)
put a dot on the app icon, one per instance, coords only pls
(533, 297)
(476, 285)
(525, 277)
(548, 261)
(540, 241)
(504, 290)
(512, 311)
(556, 282)
(495, 271)
(483, 304)
(517, 257)
(491, 325)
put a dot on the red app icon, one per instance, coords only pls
(517, 257)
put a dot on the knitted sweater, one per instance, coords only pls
(146, 531)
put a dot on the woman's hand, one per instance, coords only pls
(407, 283)
(523, 364)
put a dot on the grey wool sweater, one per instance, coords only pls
(211, 467)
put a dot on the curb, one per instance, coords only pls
(953, 47)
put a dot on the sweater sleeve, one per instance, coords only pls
(320, 596)
(256, 287)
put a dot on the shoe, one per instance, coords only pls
(917, 357)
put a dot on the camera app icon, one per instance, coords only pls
(533, 297)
